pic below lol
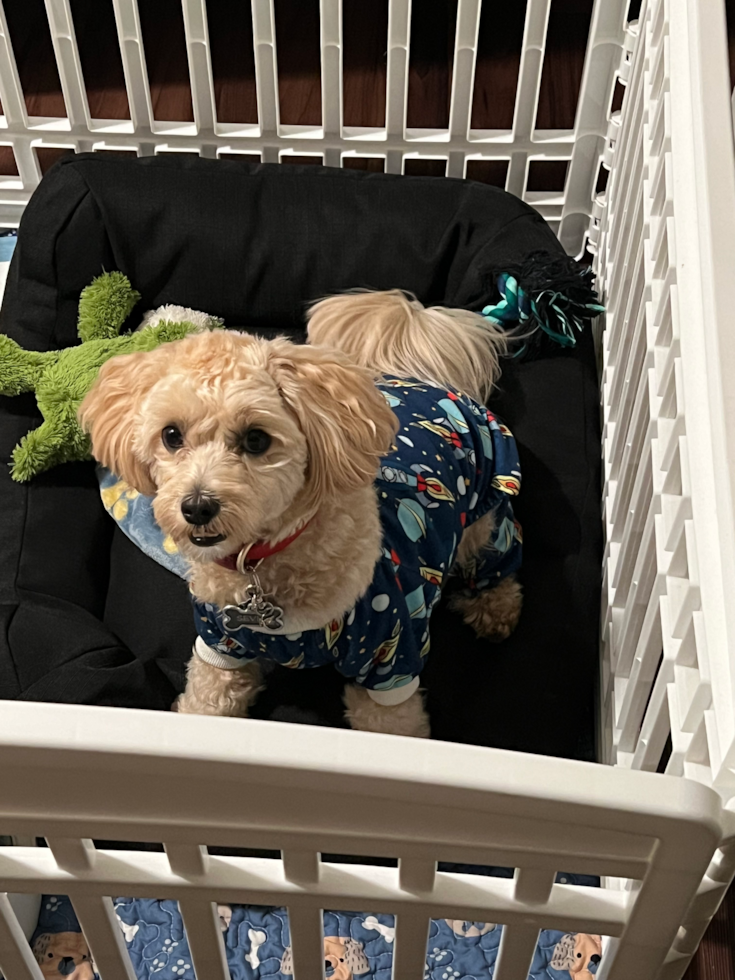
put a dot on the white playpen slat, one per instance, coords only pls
(306, 929)
(463, 79)
(301, 867)
(187, 860)
(409, 952)
(16, 118)
(104, 937)
(655, 725)
(529, 82)
(416, 875)
(72, 853)
(11, 93)
(266, 76)
(627, 248)
(330, 20)
(515, 955)
(628, 142)
(631, 305)
(642, 673)
(132, 52)
(602, 59)
(63, 38)
(204, 935)
(631, 120)
(633, 527)
(200, 68)
(17, 962)
(396, 94)
(631, 445)
(200, 917)
(626, 376)
(533, 885)
(629, 266)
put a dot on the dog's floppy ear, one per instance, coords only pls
(109, 413)
(356, 959)
(346, 420)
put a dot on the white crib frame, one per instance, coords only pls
(664, 242)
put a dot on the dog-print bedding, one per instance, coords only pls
(356, 945)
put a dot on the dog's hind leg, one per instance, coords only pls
(366, 715)
(492, 612)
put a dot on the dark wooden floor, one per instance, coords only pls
(365, 29)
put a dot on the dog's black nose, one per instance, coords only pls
(595, 958)
(199, 509)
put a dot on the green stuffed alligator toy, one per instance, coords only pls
(61, 378)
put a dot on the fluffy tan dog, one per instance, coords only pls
(244, 440)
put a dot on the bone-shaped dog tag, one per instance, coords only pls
(254, 611)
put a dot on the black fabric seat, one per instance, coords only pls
(87, 618)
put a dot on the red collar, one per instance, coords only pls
(260, 550)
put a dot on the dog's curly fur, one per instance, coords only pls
(328, 425)
(210, 691)
(493, 613)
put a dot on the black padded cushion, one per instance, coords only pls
(87, 618)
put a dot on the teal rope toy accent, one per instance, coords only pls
(558, 315)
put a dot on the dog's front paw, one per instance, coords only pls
(213, 691)
(492, 613)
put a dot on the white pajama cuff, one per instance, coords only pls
(216, 659)
(396, 695)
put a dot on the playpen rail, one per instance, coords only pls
(567, 210)
(127, 775)
(669, 622)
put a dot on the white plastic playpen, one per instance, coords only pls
(663, 236)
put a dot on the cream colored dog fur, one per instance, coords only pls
(328, 426)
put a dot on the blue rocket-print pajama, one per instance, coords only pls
(452, 463)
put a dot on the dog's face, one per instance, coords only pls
(240, 439)
(63, 956)
(343, 958)
(577, 953)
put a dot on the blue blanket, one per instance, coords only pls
(257, 944)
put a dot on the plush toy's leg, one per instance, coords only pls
(57, 440)
(20, 369)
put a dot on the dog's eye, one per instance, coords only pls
(172, 438)
(255, 442)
